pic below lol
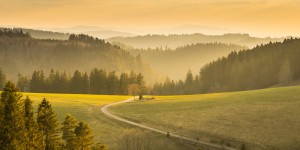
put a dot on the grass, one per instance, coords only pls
(86, 108)
(262, 119)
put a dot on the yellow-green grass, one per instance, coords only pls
(80, 106)
(268, 118)
(85, 107)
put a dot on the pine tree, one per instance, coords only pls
(140, 81)
(85, 84)
(51, 82)
(189, 82)
(48, 126)
(68, 129)
(12, 124)
(123, 84)
(99, 81)
(23, 83)
(32, 134)
(37, 82)
(76, 82)
(84, 136)
(132, 78)
(112, 87)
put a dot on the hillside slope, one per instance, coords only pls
(19, 53)
(175, 63)
(261, 67)
(261, 119)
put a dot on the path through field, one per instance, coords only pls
(104, 109)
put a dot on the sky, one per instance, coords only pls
(257, 17)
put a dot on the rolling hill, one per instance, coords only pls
(261, 119)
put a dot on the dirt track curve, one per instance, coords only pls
(104, 109)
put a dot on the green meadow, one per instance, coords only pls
(85, 107)
(261, 119)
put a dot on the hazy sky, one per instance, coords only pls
(258, 17)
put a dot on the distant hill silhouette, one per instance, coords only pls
(39, 34)
(175, 63)
(176, 40)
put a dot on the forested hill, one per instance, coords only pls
(39, 34)
(175, 63)
(175, 40)
(273, 64)
(19, 53)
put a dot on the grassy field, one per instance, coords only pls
(87, 108)
(262, 119)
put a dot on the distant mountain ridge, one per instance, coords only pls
(176, 40)
(64, 33)
(39, 34)
(99, 32)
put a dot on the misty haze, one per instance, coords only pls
(149, 75)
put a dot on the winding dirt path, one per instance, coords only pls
(104, 109)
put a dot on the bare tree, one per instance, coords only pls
(134, 89)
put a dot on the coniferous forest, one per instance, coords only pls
(272, 64)
(22, 129)
(98, 81)
(20, 53)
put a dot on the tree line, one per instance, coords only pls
(21, 129)
(98, 81)
(170, 87)
(15, 32)
(266, 65)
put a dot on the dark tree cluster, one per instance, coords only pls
(98, 81)
(86, 39)
(13, 32)
(21, 129)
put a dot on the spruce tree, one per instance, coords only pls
(32, 134)
(76, 83)
(84, 136)
(68, 129)
(48, 126)
(12, 124)
(189, 80)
